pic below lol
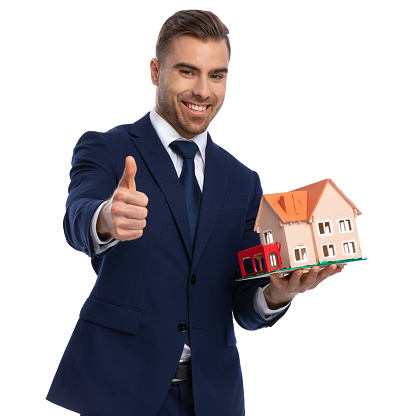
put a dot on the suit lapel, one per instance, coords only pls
(215, 185)
(160, 165)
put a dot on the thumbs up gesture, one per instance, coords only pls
(123, 216)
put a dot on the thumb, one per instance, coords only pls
(127, 180)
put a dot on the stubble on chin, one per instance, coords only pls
(173, 114)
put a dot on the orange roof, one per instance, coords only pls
(299, 204)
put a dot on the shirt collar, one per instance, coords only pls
(168, 134)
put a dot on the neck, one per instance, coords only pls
(181, 132)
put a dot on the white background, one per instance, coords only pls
(316, 89)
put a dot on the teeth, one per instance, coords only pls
(197, 107)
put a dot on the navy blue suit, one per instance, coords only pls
(149, 292)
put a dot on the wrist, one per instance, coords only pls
(276, 300)
(102, 226)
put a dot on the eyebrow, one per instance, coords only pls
(194, 68)
(184, 65)
(223, 70)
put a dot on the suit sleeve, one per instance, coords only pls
(93, 179)
(244, 291)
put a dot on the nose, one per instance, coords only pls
(201, 88)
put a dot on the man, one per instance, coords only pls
(156, 337)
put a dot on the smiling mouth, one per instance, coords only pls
(197, 108)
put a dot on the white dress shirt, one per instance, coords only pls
(167, 135)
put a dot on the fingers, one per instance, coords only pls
(315, 276)
(127, 181)
(128, 220)
(130, 207)
(310, 277)
(300, 281)
(129, 231)
(288, 285)
(295, 278)
(130, 197)
(283, 290)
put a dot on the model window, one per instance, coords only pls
(345, 225)
(248, 266)
(268, 237)
(328, 250)
(349, 248)
(325, 228)
(259, 262)
(301, 254)
(273, 259)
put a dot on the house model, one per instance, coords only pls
(312, 225)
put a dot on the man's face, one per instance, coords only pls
(191, 83)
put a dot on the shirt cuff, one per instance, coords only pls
(261, 307)
(100, 246)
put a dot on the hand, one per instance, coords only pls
(281, 291)
(123, 216)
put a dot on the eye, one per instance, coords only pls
(186, 72)
(217, 76)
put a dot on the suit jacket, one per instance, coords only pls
(150, 292)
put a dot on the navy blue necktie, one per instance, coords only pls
(187, 151)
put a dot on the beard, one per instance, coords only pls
(173, 111)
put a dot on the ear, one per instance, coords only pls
(155, 71)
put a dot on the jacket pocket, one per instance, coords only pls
(111, 315)
(231, 339)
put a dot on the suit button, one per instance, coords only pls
(86, 250)
(193, 279)
(182, 327)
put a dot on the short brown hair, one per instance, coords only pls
(201, 24)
